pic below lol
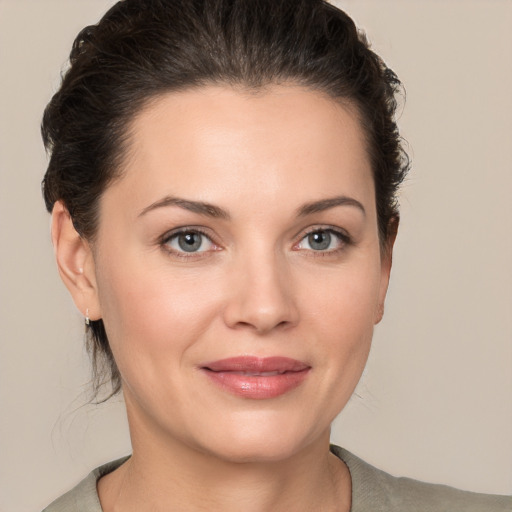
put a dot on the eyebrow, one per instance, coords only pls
(326, 204)
(207, 209)
(210, 210)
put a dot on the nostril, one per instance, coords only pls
(246, 324)
(261, 305)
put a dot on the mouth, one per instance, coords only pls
(257, 378)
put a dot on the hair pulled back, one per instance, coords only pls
(141, 49)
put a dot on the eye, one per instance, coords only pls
(188, 242)
(325, 240)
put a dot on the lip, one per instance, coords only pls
(255, 377)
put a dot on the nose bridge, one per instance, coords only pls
(262, 297)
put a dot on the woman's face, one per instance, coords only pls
(238, 269)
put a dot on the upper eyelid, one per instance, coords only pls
(185, 229)
(324, 227)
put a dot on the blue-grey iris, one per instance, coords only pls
(190, 242)
(319, 240)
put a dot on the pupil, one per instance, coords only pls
(320, 240)
(190, 242)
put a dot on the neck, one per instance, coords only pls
(165, 474)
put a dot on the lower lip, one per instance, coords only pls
(257, 387)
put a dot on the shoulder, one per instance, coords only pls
(84, 496)
(377, 491)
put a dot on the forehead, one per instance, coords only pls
(280, 141)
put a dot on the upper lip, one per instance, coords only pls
(256, 365)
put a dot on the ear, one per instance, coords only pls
(75, 262)
(386, 261)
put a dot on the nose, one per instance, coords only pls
(261, 297)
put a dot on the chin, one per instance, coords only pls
(262, 440)
(261, 451)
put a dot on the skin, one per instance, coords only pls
(256, 287)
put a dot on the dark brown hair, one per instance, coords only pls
(144, 48)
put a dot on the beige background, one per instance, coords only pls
(436, 400)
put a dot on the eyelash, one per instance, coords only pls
(165, 240)
(168, 237)
(342, 236)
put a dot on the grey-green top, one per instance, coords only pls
(373, 490)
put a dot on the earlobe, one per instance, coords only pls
(386, 263)
(75, 262)
(379, 313)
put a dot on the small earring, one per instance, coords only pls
(87, 319)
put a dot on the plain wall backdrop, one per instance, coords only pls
(436, 399)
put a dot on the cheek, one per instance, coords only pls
(345, 299)
(342, 315)
(151, 313)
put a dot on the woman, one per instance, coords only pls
(222, 185)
